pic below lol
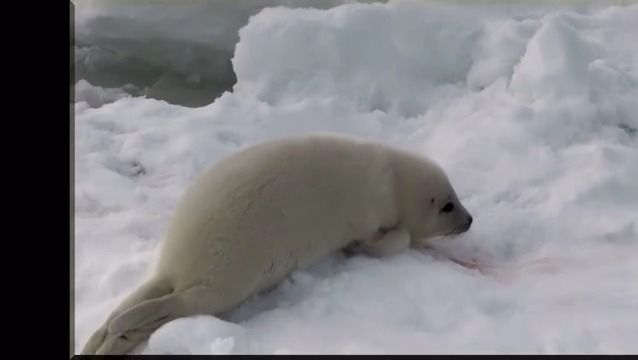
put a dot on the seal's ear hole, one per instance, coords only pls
(432, 201)
(448, 208)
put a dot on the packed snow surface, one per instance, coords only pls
(531, 110)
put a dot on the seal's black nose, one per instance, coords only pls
(467, 225)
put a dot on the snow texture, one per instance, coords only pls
(178, 51)
(531, 110)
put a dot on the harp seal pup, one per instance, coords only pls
(275, 207)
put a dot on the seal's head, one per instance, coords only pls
(432, 208)
(450, 216)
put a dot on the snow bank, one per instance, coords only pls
(531, 111)
(179, 51)
(399, 58)
(96, 96)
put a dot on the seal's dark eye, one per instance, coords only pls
(448, 208)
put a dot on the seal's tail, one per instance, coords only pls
(133, 321)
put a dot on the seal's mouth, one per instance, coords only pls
(456, 232)
(460, 229)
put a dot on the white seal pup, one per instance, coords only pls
(270, 209)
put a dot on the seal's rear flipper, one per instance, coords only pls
(135, 325)
(141, 313)
(95, 341)
(144, 314)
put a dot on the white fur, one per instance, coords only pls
(275, 207)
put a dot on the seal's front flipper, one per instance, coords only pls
(386, 243)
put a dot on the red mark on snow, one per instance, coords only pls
(503, 272)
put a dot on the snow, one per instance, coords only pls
(96, 96)
(174, 51)
(529, 109)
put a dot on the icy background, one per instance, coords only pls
(173, 50)
(532, 111)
